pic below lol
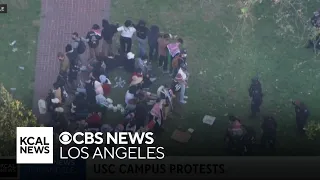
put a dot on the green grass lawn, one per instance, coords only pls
(230, 51)
(20, 24)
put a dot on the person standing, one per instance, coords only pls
(93, 37)
(142, 32)
(163, 42)
(174, 50)
(255, 93)
(153, 36)
(64, 65)
(107, 33)
(181, 78)
(73, 57)
(127, 31)
(302, 115)
(269, 132)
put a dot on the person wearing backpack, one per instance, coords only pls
(93, 37)
(78, 43)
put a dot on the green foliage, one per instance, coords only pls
(313, 130)
(12, 114)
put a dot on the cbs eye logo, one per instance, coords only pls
(65, 138)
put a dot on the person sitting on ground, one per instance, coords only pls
(98, 67)
(94, 120)
(119, 128)
(130, 62)
(143, 95)
(106, 85)
(106, 128)
(102, 101)
(130, 98)
(131, 126)
(142, 63)
(147, 80)
(79, 107)
(98, 87)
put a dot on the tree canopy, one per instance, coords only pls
(12, 114)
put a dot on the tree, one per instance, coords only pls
(12, 114)
(313, 130)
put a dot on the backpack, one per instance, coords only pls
(81, 47)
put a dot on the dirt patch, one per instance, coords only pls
(20, 4)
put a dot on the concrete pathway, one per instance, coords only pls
(59, 18)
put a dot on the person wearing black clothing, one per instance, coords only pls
(93, 37)
(153, 36)
(91, 93)
(107, 34)
(302, 114)
(142, 32)
(269, 132)
(255, 93)
(73, 57)
(141, 114)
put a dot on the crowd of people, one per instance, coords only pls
(143, 110)
(81, 93)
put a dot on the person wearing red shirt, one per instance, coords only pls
(94, 120)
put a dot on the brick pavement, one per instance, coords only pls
(59, 19)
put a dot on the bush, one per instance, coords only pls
(12, 114)
(313, 130)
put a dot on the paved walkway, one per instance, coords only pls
(59, 19)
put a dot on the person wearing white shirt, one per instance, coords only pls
(182, 78)
(127, 31)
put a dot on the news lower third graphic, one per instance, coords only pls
(35, 145)
(8, 168)
(60, 169)
(3, 8)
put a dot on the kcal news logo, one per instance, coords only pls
(34, 145)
